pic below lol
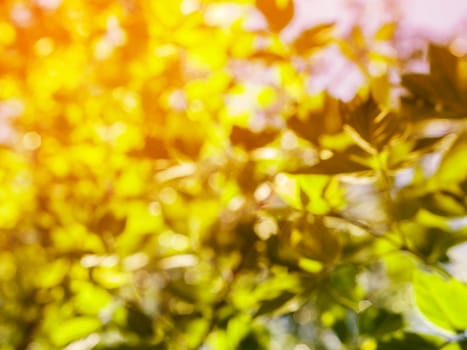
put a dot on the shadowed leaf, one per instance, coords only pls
(339, 163)
(278, 13)
(314, 38)
(154, 147)
(251, 140)
(138, 322)
(409, 341)
(370, 126)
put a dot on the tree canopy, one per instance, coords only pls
(172, 179)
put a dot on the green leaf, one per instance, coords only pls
(310, 265)
(453, 167)
(311, 239)
(237, 328)
(74, 329)
(91, 299)
(258, 339)
(445, 203)
(441, 301)
(52, 274)
(269, 306)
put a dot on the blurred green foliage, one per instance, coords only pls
(171, 183)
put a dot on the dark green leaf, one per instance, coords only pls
(272, 305)
(255, 340)
(138, 322)
(317, 241)
(409, 341)
(378, 322)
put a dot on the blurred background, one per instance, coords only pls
(200, 174)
